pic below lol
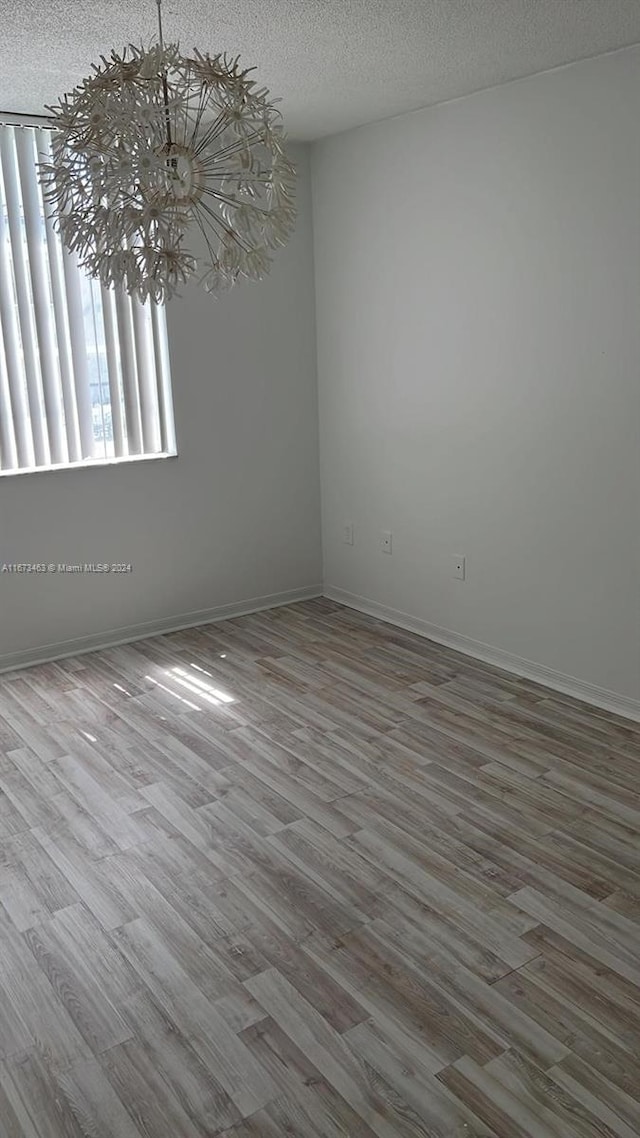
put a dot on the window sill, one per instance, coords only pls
(88, 464)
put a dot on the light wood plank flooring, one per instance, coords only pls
(302, 873)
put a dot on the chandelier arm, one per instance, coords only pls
(226, 230)
(202, 102)
(214, 160)
(200, 222)
(186, 111)
(233, 147)
(234, 201)
(213, 131)
(216, 128)
(213, 174)
(165, 86)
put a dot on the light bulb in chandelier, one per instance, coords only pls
(157, 154)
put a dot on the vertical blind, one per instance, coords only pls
(84, 370)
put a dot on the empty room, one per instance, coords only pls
(320, 569)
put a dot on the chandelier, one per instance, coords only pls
(156, 146)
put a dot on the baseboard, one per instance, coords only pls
(539, 673)
(126, 635)
(547, 677)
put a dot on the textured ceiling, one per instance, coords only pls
(335, 63)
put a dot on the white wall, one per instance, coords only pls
(235, 517)
(478, 324)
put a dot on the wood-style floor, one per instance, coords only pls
(305, 874)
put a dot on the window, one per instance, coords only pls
(84, 370)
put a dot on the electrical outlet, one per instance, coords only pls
(386, 541)
(459, 567)
(347, 534)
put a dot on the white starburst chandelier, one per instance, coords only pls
(156, 147)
